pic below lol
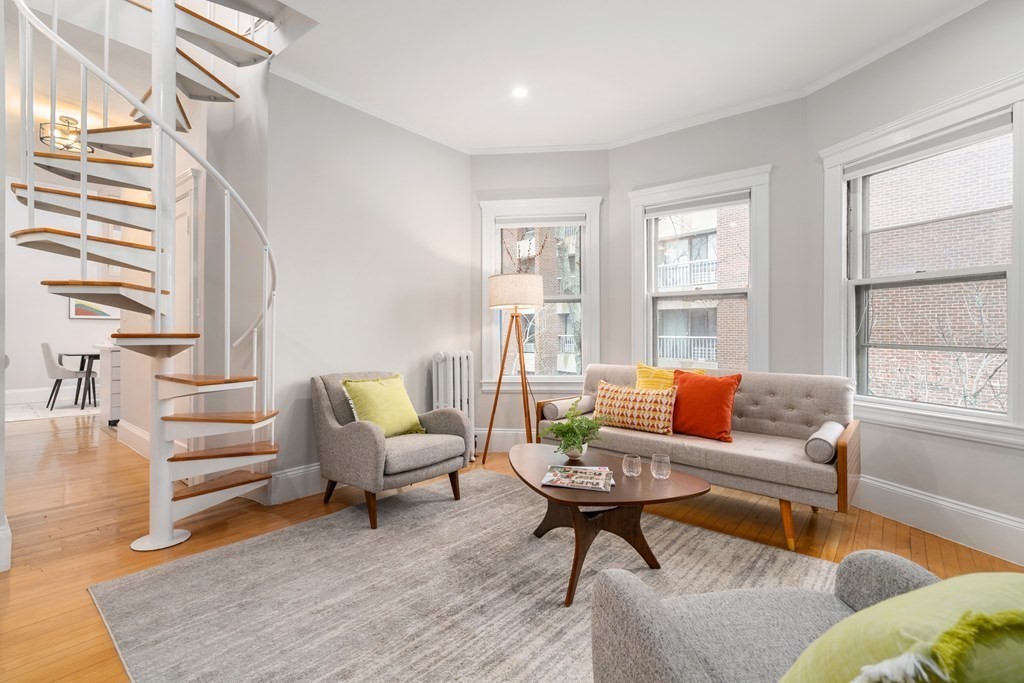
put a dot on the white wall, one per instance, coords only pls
(371, 228)
(954, 476)
(965, 491)
(34, 316)
(774, 135)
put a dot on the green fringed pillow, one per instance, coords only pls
(968, 628)
(385, 403)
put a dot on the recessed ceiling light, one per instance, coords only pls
(520, 92)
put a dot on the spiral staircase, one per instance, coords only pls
(140, 155)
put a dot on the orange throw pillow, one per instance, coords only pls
(704, 405)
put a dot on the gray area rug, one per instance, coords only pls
(442, 591)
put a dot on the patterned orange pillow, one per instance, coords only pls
(645, 410)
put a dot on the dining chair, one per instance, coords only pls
(58, 373)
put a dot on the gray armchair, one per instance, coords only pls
(357, 454)
(746, 635)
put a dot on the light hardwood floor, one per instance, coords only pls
(76, 498)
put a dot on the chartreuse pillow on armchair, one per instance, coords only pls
(966, 629)
(385, 403)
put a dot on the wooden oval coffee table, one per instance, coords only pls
(625, 502)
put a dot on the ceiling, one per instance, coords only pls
(600, 73)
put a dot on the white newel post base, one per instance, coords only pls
(162, 533)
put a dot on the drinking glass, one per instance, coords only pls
(631, 465)
(661, 468)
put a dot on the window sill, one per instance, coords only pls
(567, 386)
(955, 424)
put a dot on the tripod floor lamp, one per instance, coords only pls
(512, 292)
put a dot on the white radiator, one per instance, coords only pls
(453, 381)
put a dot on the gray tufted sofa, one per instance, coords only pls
(773, 416)
(749, 635)
(357, 453)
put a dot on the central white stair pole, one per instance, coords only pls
(162, 533)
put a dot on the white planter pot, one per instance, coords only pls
(576, 454)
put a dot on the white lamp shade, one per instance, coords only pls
(522, 290)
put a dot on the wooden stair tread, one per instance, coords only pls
(117, 129)
(94, 160)
(237, 451)
(155, 335)
(247, 417)
(98, 283)
(186, 10)
(208, 73)
(92, 238)
(177, 100)
(68, 193)
(230, 480)
(204, 380)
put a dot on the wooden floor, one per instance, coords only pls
(76, 498)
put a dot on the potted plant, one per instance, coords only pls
(575, 432)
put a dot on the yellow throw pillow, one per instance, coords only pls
(658, 378)
(385, 403)
(645, 410)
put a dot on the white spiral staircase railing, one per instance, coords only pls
(172, 69)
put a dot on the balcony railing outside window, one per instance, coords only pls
(703, 349)
(567, 343)
(675, 275)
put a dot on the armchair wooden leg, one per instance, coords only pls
(371, 508)
(786, 508)
(330, 491)
(453, 477)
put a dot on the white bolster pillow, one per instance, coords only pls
(556, 410)
(821, 446)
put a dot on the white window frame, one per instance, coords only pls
(839, 306)
(756, 181)
(590, 283)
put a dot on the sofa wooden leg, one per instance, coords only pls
(814, 509)
(786, 508)
(371, 508)
(330, 491)
(453, 477)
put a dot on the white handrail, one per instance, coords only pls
(171, 132)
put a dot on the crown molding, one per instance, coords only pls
(290, 75)
(919, 31)
(649, 133)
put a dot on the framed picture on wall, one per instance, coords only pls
(84, 310)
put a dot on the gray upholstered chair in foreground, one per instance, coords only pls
(356, 453)
(748, 635)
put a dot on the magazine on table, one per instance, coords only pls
(578, 477)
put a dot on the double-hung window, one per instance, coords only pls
(556, 238)
(923, 315)
(697, 281)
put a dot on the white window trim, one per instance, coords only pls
(971, 425)
(590, 287)
(756, 180)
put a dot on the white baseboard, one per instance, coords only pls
(501, 440)
(137, 439)
(134, 438)
(5, 544)
(992, 532)
(295, 482)
(14, 397)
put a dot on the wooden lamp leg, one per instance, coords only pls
(522, 377)
(497, 390)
